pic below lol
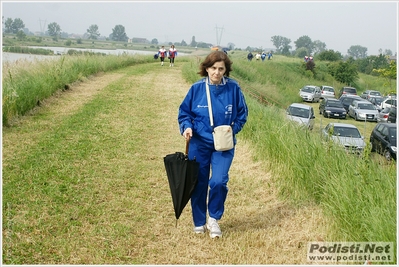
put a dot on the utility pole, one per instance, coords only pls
(218, 37)
(42, 27)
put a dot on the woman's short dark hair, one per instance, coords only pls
(211, 59)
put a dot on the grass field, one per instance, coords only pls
(84, 182)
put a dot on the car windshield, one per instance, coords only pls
(378, 100)
(308, 90)
(334, 104)
(375, 93)
(347, 100)
(347, 132)
(366, 106)
(350, 90)
(299, 112)
(328, 89)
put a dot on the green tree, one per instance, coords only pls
(318, 47)
(388, 73)
(388, 52)
(183, 43)
(8, 25)
(301, 52)
(344, 72)
(231, 46)
(286, 50)
(304, 41)
(154, 41)
(281, 43)
(119, 34)
(17, 25)
(54, 30)
(329, 55)
(357, 51)
(21, 35)
(193, 42)
(93, 32)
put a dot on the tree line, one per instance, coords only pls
(344, 69)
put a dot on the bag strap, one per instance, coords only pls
(208, 97)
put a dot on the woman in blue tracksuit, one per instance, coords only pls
(229, 108)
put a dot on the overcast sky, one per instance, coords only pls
(338, 24)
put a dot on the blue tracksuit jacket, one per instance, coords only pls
(228, 106)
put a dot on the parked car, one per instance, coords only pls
(392, 115)
(310, 93)
(377, 101)
(346, 100)
(302, 114)
(370, 94)
(383, 140)
(363, 110)
(346, 135)
(327, 91)
(332, 108)
(389, 102)
(347, 91)
(383, 115)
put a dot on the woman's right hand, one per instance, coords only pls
(188, 133)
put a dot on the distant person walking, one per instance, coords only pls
(250, 56)
(162, 54)
(172, 55)
(263, 56)
(269, 56)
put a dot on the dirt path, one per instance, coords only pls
(258, 228)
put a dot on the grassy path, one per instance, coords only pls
(84, 183)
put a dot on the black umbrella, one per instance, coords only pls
(183, 177)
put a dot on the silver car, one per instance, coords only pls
(302, 114)
(345, 135)
(383, 115)
(363, 110)
(310, 93)
(327, 91)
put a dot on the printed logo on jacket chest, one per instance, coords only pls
(228, 111)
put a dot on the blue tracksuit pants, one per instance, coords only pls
(217, 163)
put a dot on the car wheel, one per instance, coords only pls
(387, 155)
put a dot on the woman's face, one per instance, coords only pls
(216, 72)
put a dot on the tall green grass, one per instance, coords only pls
(357, 194)
(26, 86)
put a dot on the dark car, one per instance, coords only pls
(383, 140)
(332, 108)
(347, 91)
(392, 115)
(347, 100)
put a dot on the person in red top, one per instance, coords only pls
(172, 55)
(162, 54)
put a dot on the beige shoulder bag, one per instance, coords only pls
(223, 134)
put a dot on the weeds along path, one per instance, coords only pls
(84, 183)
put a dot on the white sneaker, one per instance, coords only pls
(200, 229)
(213, 227)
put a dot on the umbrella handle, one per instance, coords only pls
(187, 145)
